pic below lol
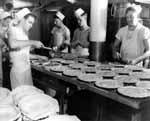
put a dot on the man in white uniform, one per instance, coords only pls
(133, 38)
(60, 34)
(20, 46)
(80, 41)
(5, 19)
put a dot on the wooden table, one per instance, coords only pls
(135, 104)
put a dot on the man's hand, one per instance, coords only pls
(133, 62)
(75, 43)
(38, 44)
(116, 56)
(55, 48)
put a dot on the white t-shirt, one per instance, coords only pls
(133, 43)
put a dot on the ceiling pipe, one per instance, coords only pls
(16, 4)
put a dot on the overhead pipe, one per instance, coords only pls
(15, 4)
(98, 29)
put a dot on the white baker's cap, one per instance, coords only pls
(1, 10)
(60, 15)
(138, 8)
(22, 13)
(79, 12)
(4, 15)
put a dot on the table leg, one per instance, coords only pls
(136, 116)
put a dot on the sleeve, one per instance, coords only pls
(74, 36)
(146, 33)
(51, 37)
(2, 37)
(74, 39)
(119, 35)
(85, 43)
(146, 38)
(52, 31)
(1, 43)
(67, 36)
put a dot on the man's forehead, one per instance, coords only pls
(131, 13)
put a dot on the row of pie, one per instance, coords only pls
(90, 71)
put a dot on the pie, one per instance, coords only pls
(134, 68)
(107, 74)
(69, 56)
(36, 63)
(77, 66)
(57, 60)
(89, 77)
(104, 67)
(121, 71)
(72, 73)
(141, 75)
(58, 68)
(134, 92)
(89, 69)
(81, 60)
(117, 65)
(108, 84)
(91, 63)
(67, 62)
(121, 78)
(126, 79)
(143, 84)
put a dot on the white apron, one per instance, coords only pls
(130, 46)
(20, 73)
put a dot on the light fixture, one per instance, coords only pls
(8, 5)
(71, 1)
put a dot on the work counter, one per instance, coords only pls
(136, 104)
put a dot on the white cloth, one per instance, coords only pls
(133, 42)
(38, 106)
(80, 51)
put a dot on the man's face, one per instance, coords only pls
(81, 20)
(6, 21)
(28, 23)
(57, 22)
(132, 18)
